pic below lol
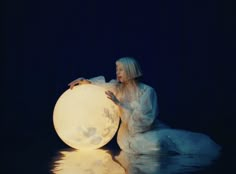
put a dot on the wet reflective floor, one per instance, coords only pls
(53, 156)
(102, 161)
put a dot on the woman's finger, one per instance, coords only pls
(71, 86)
(107, 92)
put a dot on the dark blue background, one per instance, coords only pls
(186, 50)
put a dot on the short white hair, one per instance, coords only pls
(131, 67)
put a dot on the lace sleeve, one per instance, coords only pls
(139, 115)
(100, 81)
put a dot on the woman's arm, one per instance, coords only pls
(139, 115)
(99, 81)
(78, 81)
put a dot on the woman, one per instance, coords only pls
(140, 132)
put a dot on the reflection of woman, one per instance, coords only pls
(140, 132)
(163, 164)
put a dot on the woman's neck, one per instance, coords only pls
(130, 83)
(130, 86)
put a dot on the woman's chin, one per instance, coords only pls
(119, 80)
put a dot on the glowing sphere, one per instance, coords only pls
(84, 118)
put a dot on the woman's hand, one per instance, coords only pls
(112, 97)
(78, 81)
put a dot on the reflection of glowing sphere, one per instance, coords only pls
(84, 118)
(84, 162)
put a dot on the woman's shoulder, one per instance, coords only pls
(145, 87)
(113, 81)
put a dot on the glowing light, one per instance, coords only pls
(84, 118)
(83, 162)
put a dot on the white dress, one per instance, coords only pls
(141, 132)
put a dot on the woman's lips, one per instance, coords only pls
(118, 78)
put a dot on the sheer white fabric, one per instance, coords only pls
(140, 131)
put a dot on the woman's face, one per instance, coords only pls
(120, 73)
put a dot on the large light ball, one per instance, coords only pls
(84, 118)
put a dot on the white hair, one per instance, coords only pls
(133, 72)
(131, 67)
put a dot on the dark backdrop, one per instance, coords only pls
(185, 49)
